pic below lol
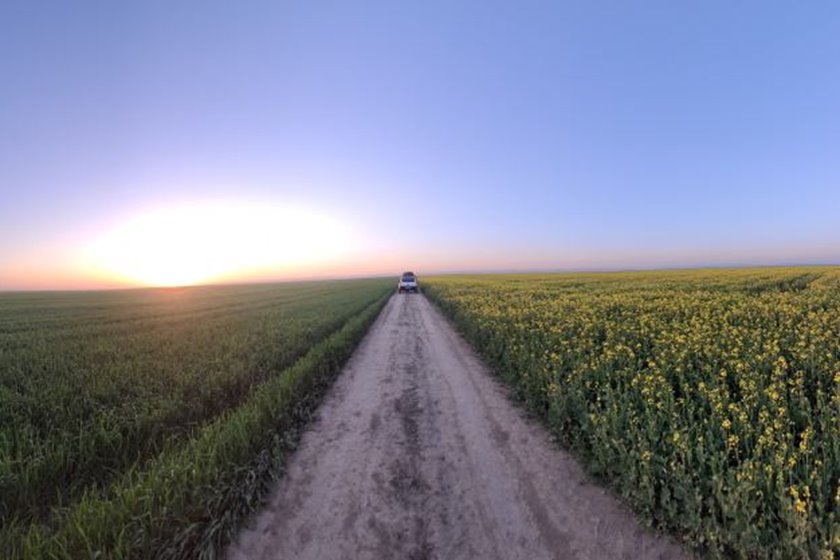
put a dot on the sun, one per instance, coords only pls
(199, 243)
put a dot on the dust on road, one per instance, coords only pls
(417, 453)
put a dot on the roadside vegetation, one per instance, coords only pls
(710, 399)
(146, 423)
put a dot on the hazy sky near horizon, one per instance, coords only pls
(433, 135)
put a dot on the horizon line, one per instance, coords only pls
(444, 272)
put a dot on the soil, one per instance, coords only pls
(418, 453)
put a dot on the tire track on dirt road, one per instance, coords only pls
(417, 453)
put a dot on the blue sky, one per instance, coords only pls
(447, 135)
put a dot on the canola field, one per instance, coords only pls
(709, 399)
(146, 423)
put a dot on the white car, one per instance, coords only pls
(407, 283)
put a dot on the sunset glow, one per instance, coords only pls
(212, 242)
(167, 144)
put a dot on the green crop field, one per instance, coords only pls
(144, 423)
(710, 399)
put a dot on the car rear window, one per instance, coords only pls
(408, 279)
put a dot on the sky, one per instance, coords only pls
(318, 139)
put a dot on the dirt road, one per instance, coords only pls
(417, 453)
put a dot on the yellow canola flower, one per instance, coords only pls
(722, 365)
